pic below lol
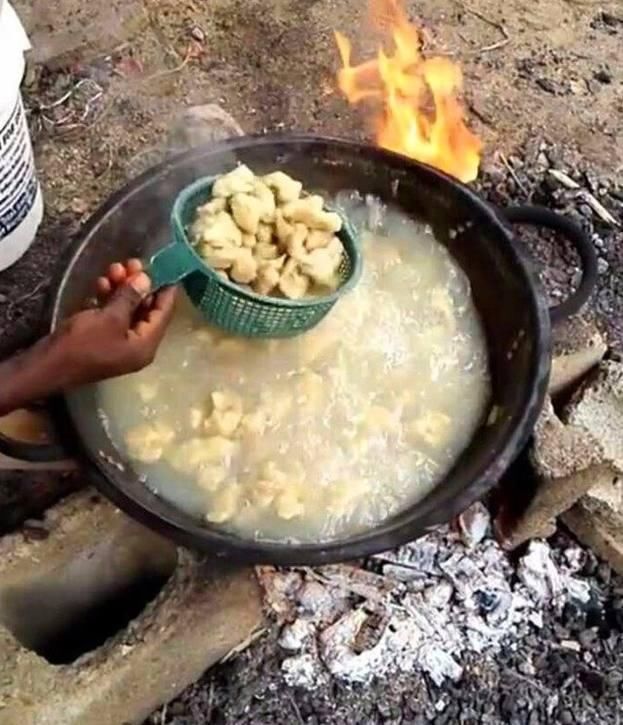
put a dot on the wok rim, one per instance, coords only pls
(421, 517)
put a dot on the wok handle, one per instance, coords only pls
(171, 265)
(18, 433)
(539, 216)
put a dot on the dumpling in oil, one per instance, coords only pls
(195, 453)
(285, 187)
(226, 414)
(147, 442)
(225, 504)
(238, 181)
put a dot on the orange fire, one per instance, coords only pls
(422, 116)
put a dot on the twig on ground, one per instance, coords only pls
(532, 683)
(163, 714)
(367, 585)
(171, 71)
(73, 117)
(243, 645)
(563, 179)
(70, 93)
(479, 114)
(500, 27)
(598, 208)
(210, 702)
(28, 296)
(297, 712)
(511, 171)
(108, 164)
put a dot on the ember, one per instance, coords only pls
(422, 116)
(427, 605)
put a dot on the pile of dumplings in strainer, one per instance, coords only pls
(262, 234)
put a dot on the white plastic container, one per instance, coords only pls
(21, 203)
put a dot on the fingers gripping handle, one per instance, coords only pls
(171, 265)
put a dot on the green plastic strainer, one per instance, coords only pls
(227, 305)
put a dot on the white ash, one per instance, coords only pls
(442, 596)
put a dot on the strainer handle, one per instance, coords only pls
(171, 265)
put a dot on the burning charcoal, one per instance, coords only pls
(302, 671)
(370, 632)
(416, 559)
(474, 524)
(294, 636)
(280, 588)
(324, 604)
(614, 614)
(405, 573)
(527, 668)
(486, 601)
(578, 590)
(593, 681)
(574, 616)
(575, 558)
(421, 554)
(464, 575)
(590, 564)
(440, 665)
(587, 638)
(439, 594)
(336, 643)
(539, 573)
(505, 606)
(604, 572)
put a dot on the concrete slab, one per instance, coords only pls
(87, 559)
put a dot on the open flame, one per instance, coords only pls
(421, 116)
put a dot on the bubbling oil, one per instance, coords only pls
(327, 434)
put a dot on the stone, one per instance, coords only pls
(596, 525)
(194, 126)
(598, 410)
(538, 572)
(198, 34)
(473, 524)
(603, 75)
(200, 125)
(196, 613)
(569, 369)
(580, 454)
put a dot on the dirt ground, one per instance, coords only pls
(542, 79)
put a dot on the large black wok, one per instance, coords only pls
(135, 222)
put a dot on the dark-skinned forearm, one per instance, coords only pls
(31, 375)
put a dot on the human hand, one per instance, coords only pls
(120, 336)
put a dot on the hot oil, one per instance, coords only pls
(333, 431)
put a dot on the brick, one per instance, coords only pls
(85, 552)
(600, 527)
(569, 369)
(578, 454)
